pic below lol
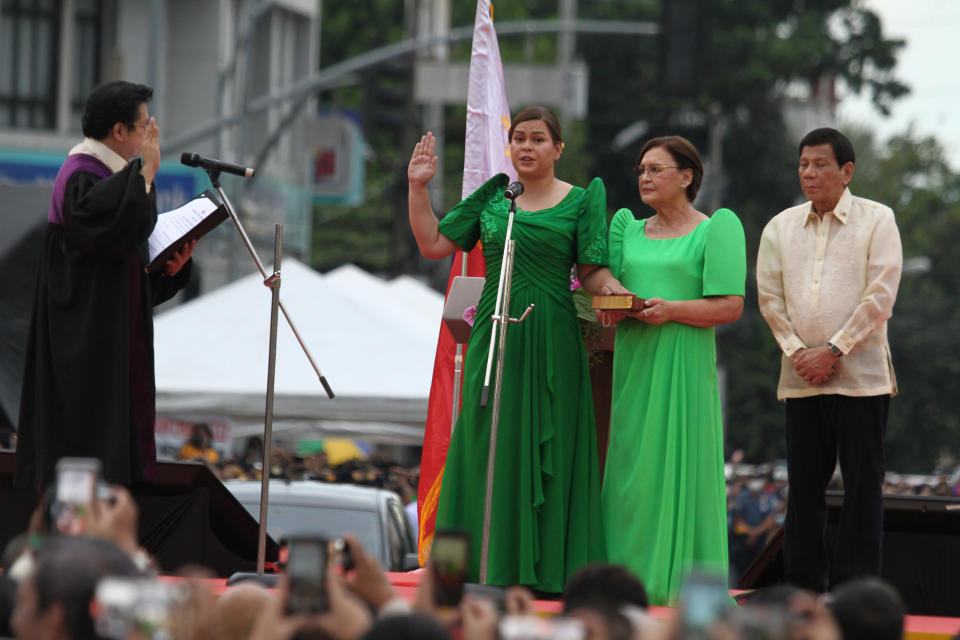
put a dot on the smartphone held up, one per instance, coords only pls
(125, 607)
(704, 600)
(449, 558)
(307, 558)
(77, 481)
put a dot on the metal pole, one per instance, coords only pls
(457, 376)
(68, 9)
(253, 253)
(566, 46)
(498, 307)
(501, 317)
(495, 418)
(716, 128)
(273, 282)
(501, 313)
(458, 362)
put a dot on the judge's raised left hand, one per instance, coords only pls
(179, 259)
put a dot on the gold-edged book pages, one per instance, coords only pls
(617, 303)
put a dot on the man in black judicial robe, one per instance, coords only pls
(88, 384)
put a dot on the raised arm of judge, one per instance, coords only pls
(150, 153)
(423, 222)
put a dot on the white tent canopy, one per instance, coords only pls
(373, 340)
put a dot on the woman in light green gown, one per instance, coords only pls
(545, 520)
(664, 498)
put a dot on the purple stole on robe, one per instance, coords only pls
(73, 164)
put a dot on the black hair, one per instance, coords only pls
(538, 113)
(311, 633)
(68, 570)
(868, 609)
(616, 624)
(604, 585)
(414, 627)
(110, 103)
(199, 430)
(841, 145)
(774, 595)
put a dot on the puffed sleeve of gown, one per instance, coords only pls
(725, 256)
(462, 224)
(592, 225)
(621, 219)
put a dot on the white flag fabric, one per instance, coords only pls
(486, 149)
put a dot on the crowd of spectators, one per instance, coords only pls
(100, 584)
(757, 502)
(756, 494)
(375, 470)
(69, 586)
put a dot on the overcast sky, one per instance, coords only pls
(929, 64)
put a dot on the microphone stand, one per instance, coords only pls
(501, 318)
(273, 283)
(215, 181)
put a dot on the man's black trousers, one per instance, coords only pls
(821, 430)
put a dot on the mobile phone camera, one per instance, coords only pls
(306, 574)
(142, 607)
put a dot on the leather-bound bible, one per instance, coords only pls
(617, 303)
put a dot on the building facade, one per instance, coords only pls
(214, 66)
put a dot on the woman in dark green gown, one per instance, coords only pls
(545, 519)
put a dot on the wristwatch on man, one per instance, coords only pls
(834, 349)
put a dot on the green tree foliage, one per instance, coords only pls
(912, 176)
(762, 165)
(366, 235)
(753, 53)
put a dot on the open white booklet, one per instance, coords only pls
(181, 225)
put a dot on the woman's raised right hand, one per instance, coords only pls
(423, 162)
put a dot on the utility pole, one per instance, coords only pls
(433, 21)
(566, 47)
(716, 129)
